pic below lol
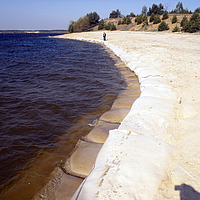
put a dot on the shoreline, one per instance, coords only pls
(87, 147)
(164, 120)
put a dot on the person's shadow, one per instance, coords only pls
(187, 192)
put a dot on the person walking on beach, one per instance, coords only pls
(104, 36)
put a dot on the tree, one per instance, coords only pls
(197, 10)
(157, 19)
(139, 19)
(163, 26)
(176, 29)
(193, 25)
(144, 10)
(93, 18)
(119, 22)
(152, 17)
(71, 27)
(82, 24)
(179, 7)
(115, 14)
(165, 15)
(184, 20)
(174, 19)
(113, 27)
(110, 27)
(156, 9)
(132, 14)
(126, 20)
(101, 25)
(145, 21)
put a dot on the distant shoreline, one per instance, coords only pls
(33, 31)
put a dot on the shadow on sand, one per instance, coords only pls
(187, 192)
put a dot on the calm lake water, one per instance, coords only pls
(50, 91)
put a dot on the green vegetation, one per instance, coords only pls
(84, 23)
(101, 25)
(163, 26)
(180, 10)
(71, 27)
(156, 9)
(165, 15)
(157, 19)
(197, 10)
(145, 21)
(110, 27)
(115, 14)
(152, 17)
(126, 20)
(91, 20)
(139, 19)
(174, 19)
(176, 29)
(193, 25)
(132, 14)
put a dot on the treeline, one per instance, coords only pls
(156, 11)
(92, 19)
(84, 23)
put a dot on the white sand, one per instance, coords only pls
(167, 65)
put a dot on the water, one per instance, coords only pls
(50, 90)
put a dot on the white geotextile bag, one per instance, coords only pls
(128, 166)
(150, 116)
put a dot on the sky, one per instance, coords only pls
(57, 14)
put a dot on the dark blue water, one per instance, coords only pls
(50, 90)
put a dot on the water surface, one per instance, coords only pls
(50, 90)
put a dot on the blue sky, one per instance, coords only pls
(56, 14)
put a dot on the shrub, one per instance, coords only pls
(163, 26)
(110, 27)
(128, 20)
(107, 26)
(119, 22)
(124, 20)
(176, 29)
(145, 21)
(165, 15)
(139, 19)
(152, 17)
(174, 19)
(101, 25)
(157, 19)
(184, 20)
(113, 27)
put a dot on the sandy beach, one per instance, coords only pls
(155, 152)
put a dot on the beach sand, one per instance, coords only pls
(166, 114)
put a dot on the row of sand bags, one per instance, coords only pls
(81, 161)
(135, 158)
